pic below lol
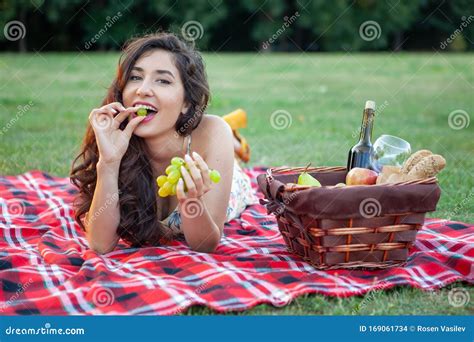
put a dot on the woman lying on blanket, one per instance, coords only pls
(122, 154)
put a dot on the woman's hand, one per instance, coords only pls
(198, 181)
(111, 141)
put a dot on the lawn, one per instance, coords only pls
(45, 100)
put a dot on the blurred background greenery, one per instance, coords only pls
(244, 25)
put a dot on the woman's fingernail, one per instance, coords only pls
(195, 155)
(187, 157)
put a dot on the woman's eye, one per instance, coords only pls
(163, 81)
(134, 78)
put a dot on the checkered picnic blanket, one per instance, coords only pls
(46, 266)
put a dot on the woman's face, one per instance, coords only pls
(155, 81)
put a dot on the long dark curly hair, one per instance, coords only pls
(139, 213)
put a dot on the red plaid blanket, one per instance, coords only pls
(47, 268)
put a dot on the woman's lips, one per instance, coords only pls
(148, 118)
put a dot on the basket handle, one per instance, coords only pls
(270, 187)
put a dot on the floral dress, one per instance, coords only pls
(241, 195)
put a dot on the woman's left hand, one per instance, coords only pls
(198, 181)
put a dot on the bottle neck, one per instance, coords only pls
(367, 126)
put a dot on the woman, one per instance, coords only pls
(123, 154)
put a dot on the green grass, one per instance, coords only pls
(324, 95)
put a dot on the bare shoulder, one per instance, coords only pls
(212, 131)
(216, 124)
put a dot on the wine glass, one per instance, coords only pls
(389, 150)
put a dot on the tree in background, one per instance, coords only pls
(247, 25)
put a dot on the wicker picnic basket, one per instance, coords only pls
(366, 226)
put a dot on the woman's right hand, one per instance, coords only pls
(111, 141)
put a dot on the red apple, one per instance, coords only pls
(360, 176)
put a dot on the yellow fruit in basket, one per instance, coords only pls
(306, 179)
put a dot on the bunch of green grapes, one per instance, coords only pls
(167, 183)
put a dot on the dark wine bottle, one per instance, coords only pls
(361, 154)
